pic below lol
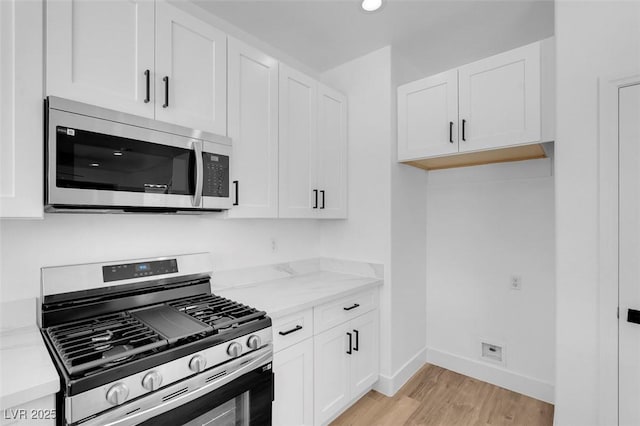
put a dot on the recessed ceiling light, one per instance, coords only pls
(117, 153)
(371, 5)
(94, 164)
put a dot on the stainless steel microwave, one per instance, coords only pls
(100, 160)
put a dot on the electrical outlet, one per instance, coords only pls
(516, 282)
(274, 245)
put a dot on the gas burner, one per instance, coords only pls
(123, 350)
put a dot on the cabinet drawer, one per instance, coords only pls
(336, 312)
(291, 329)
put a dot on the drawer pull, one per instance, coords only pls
(355, 305)
(293, 330)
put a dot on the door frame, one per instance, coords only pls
(608, 168)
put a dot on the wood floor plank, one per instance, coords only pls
(435, 396)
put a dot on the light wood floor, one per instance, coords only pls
(435, 396)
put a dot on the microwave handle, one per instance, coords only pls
(197, 197)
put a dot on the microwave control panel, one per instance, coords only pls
(216, 175)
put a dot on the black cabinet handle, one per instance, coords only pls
(451, 131)
(322, 193)
(147, 75)
(464, 122)
(355, 305)
(166, 91)
(350, 343)
(355, 348)
(293, 330)
(237, 189)
(633, 316)
(315, 195)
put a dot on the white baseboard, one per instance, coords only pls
(389, 385)
(492, 374)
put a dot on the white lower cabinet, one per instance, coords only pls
(293, 401)
(346, 365)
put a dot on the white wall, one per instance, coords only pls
(61, 239)
(484, 224)
(366, 234)
(386, 210)
(593, 39)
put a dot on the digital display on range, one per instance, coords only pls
(129, 271)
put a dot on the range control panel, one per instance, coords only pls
(216, 175)
(127, 271)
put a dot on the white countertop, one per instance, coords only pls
(27, 372)
(298, 292)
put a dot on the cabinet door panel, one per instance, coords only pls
(298, 123)
(332, 153)
(426, 109)
(364, 365)
(192, 54)
(293, 402)
(500, 100)
(253, 126)
(98, 52)
(331, 373)
(21, 68)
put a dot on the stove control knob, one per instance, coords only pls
(234, 350)
(117, 394)
(254, 342)
(197, 363)
(152, 381)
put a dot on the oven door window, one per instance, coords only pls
(89, 160)
(245, 401)
(234, 412)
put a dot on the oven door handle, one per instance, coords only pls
(119, 417)
(197, 197)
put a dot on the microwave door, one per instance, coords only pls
(97, 163)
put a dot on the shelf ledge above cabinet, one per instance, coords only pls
(501, 155)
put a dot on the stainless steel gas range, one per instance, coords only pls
(145, 342)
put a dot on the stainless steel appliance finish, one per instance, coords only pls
(159, 345)
(100, 160)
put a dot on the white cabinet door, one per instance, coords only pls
(428, 117)
(500, 100)
(21, 93)
(298, 124)
(332, 153)
(293, 369)
(331, 373)
(253, 127)
(191, 71)
(100, 52)
(364, 363)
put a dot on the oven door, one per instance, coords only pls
(238, 393)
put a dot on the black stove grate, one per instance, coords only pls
(220, 313)
(102, 341)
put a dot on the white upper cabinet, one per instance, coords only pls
(21, 91)
(332, 153)
(428, 116)
(191, 71)
(141, 57)
(313, 148)
(102, 53)
(253, 127)
(500, 100)
(299, 195)
(505, 101)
